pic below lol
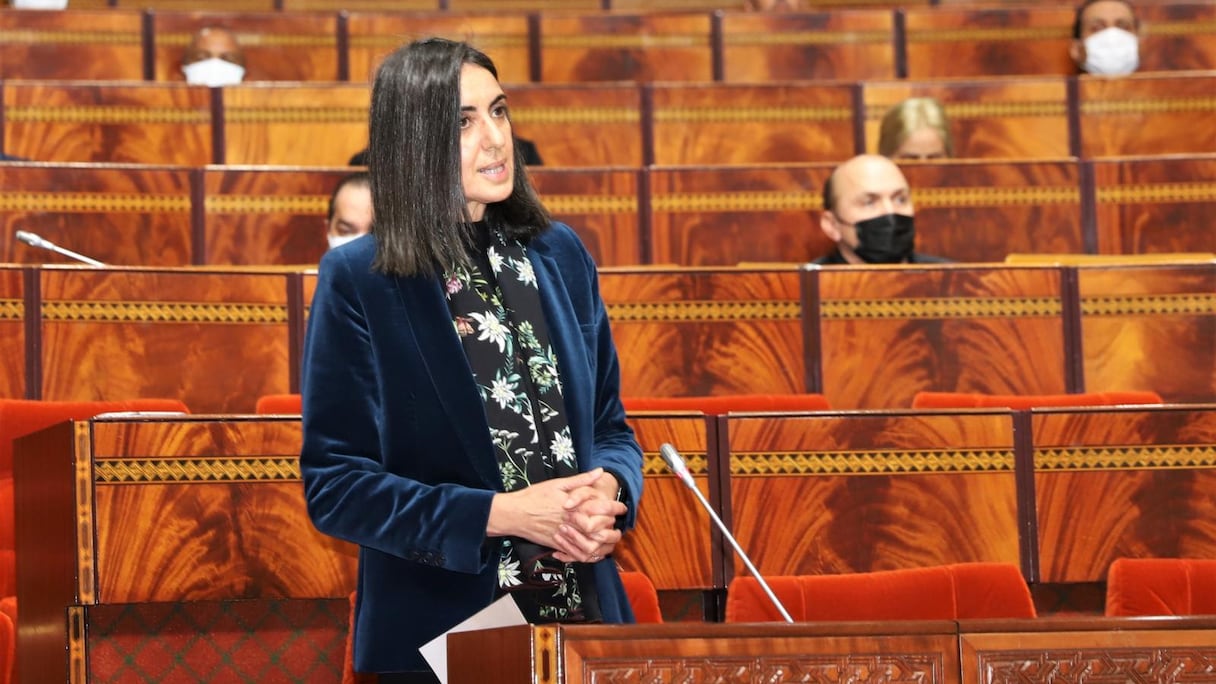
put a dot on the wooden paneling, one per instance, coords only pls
(1152, 205)
(1147, 114)
(580, 125)
(1134, 482)
(1177, 36)
(503, 37)
(76, 44)
(753, 124)
(359, 5)
(118, 214)
(848, 45)
(888, 332)
(601, 205)
(985, 41)
(1150, 328)
(295, 124)
(12, 332)
(701, 332)
(212, 5)
(265, 216)
(277, 47)
(625, 47)
(217, 341)
(996, 118)
(727, 215)
(143, 123)
(829, 494)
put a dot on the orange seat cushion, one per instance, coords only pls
(1029, 401)
(279, 404)
(1161, 586)
(717, 405)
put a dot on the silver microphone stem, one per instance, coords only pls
(42, 243)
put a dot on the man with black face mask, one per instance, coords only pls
(867, 212)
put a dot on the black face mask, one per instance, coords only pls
(885, 239)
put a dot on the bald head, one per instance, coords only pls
(214, 42)
(864, 187)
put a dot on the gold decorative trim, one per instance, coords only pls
(1156, 105)
(295, 115)
(808, 38)
(986, 110)
(916, 35)
(1180, 28)
(1033, 195)
(681, 115)
(245, 469)
(545, 654)
(256, 40)
(266, 204)
(106, 115)
(575, 115)
(482, 41)
(653, 464)
(12, 310)
(584, 204)
(1132, 457)
(737, 201)
(35, 37)
(1190, 304)
(93, 202)
(875, 462)
(1157, 192)
(86, 591)
(162, 312)
(615, 41)
(704, 311)
(78, 645)
(944, 307)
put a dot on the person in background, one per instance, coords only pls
(462, 420)
(1106, 38)
(916, 128)
(213, 58)
(867, 212)
(350, 210)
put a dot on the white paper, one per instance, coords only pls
(502, 613)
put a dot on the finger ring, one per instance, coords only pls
(594, 558)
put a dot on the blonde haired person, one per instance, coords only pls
(916, 128)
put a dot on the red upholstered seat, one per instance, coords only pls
(717, 405)
(947, 592)
(1161, 586)
(643, 597)
(278, 404)
(1027, 401)
(8, 647)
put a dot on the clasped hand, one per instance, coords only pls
(575, 516)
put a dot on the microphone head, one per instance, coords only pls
(29, 238)
(676, 463)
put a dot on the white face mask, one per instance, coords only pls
(40, 4)
(1112, 52)
(213, 72)
(339, 240)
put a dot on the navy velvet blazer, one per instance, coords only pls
(397, 456)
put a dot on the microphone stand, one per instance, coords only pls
(42, 243)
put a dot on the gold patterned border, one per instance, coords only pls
(107, 115)
(248, 40)
(617, 41)
(737, 201)
(1133, 457)
(584, 204)
(1032, 195)
(162, 312)
(295, 115)
(841, 37)
(575, 115)
(545, 654)
(1180, 28)
(12, 309)
(93, 202)
(704, 311)
(1155, 105)
(943, 307)
(245, 469)
(266, 204)
(35, 37)
(918, 35)
(1196, 303)
(987, 110)
(482, 41)
(1157, 192)
(86, 555)
(653, 464)
(874, 462)
(78, 645)
(683, 115)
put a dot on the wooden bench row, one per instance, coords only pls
(864, 337)
(617, 124)
(592, 45)
(976, 211)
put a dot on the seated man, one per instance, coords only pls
(867, 212)
(1106, 38)
(213, 58)
(350, 210)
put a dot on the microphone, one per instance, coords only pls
(42, 243)
(676, 463)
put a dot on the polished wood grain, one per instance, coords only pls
(143, 123)
(212, 5)
(831, 493)
(278, 46)
(722, 124)
(984, 211)
(889, 332)
(716, 215)
(992, 118)
(1150, 328)
(263, 215)
(988, 41)
(12, 332)
(597, 124)
(1155, 204)
(601, 205)
(358, 5)
(120, 214)
(217, 341)
(1149, 114)
(654, 46)
(1177, 36)
(703, 332)
(503, 37)
(76, 45)
(1139, 479)
(839, 45)
(295, 124)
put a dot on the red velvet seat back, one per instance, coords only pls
(278, 403)
(643, 597)
(1161, 586)
(1028, 401)
(717, 405)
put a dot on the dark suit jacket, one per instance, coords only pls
(397, 456)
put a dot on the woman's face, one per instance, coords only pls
(487, 152)
(923, 143)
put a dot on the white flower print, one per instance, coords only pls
(563, 446)
(503, 390)
(496, 259)
(490, 328)
(527, 276)
(508, 572)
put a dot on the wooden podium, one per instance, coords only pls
(145, 543)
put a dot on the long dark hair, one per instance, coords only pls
(421, 215)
